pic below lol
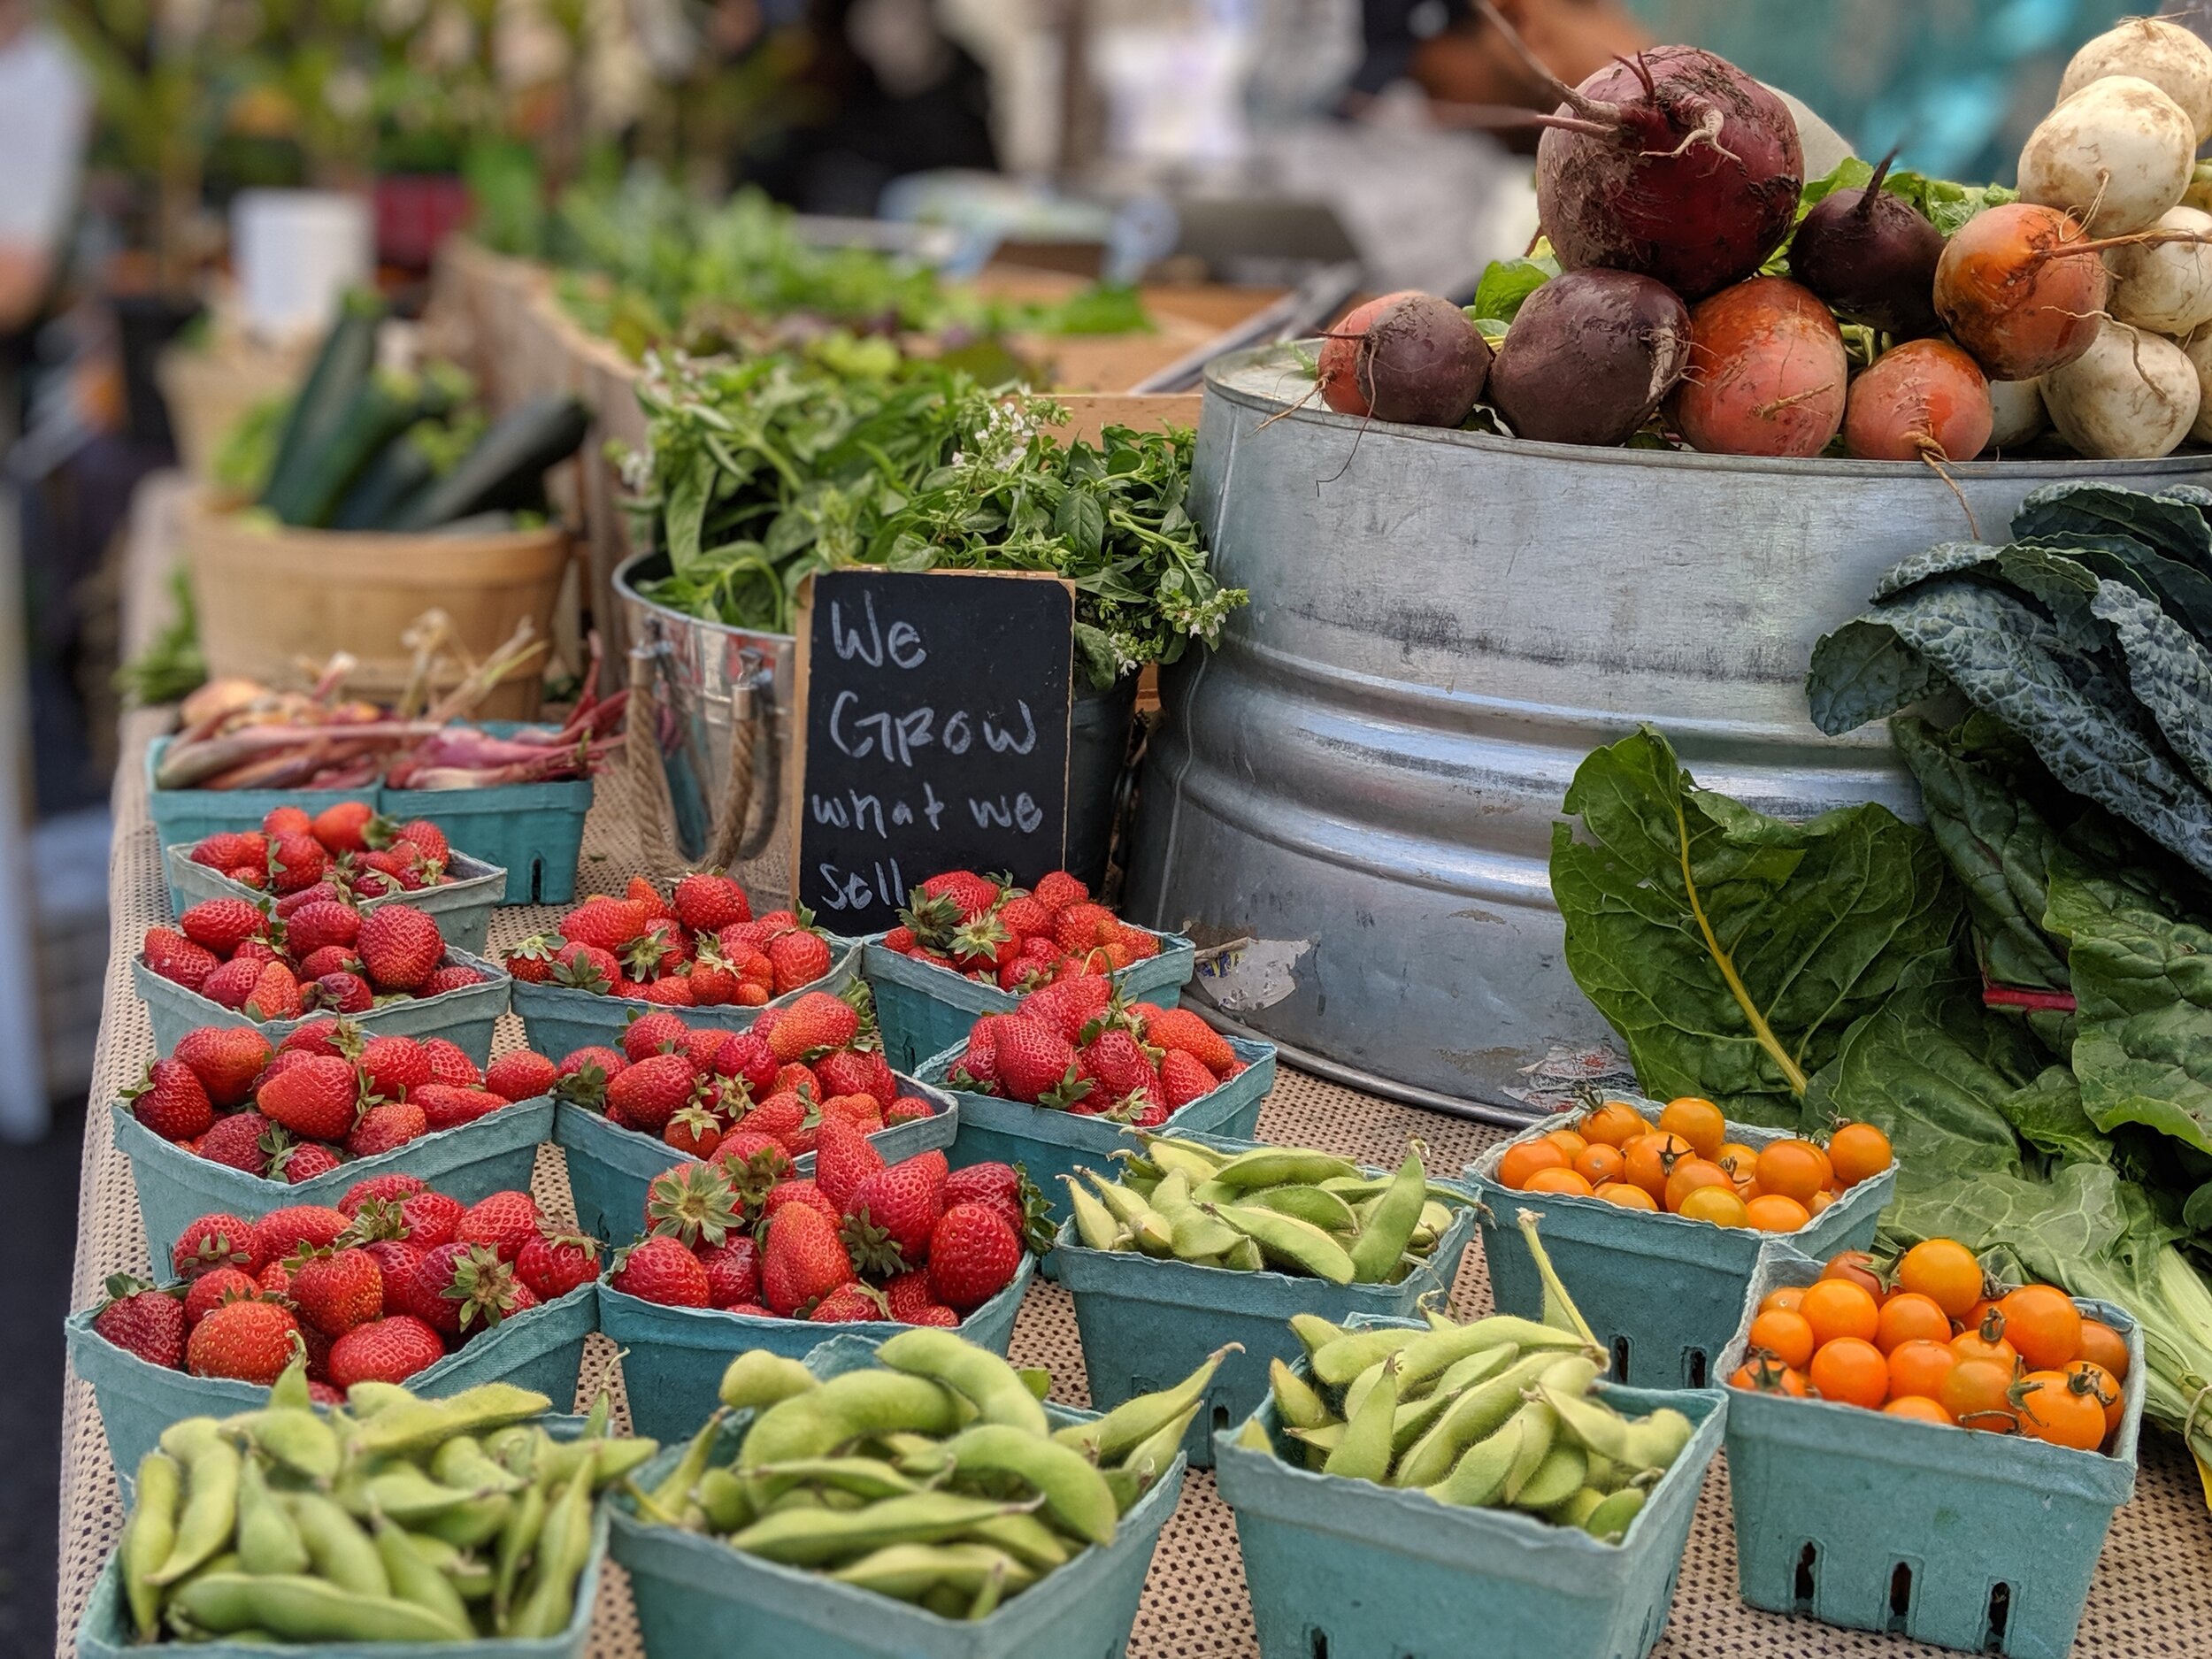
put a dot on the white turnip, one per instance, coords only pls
(2016, 413)
(2132, 396)
(1873, 256)
(1589, 357)
(2116, 155)
(1340, 355)
(1674, 164)
(2020, 289)
(1767, 373)
(1923, 400)
(2155, 50)
(1418, 360)
(2198, 350)
(2165, 286)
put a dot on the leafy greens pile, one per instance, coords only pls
(759, 471)
(2020, 993)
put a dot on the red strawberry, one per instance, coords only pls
(693, 1202)
(842, 1160)
(693, 1131)
(585, 1073)
(504, 1222)
(638, 890)
(275, 1279)
(781, 1117)
(399, 947)
(802, 1260)
(380, 1189)
(858, 1072)
(520, 1076)
(454, 977)
(912, 1301)
(342, 828)
(650, 1093)
(973, 1254)
(174, 957)
(857, 1112)
(799, 956)
(1117, 1062)
(385, 1127)
(171, 1101)
(654, 1033)
(226, 1059)
(428, 838)
(142, 1320)
(674, 992)
(301, 1161)
(801, 1191)
(282, 1232)
(296, 861)
(321, 892)
(733, 1270)
(387, 1350)
(231, 983)
(531, 962)
(275, 995)
(237, 1141)
(210, 1291)
(817, 1022)
(221, 925)
(1179, 1028)
(1033, 1061)
(586, 968)
(1184, 1078)
(428, 1295)
(257, 950)
(320, 923)
(908, 1109)
(317, 1096)
(714, 983)
(903, 1202)
(970, 895)
(450, 1064)
(336, 1290)
(431, 1219)
(1059, 890)
(754, 1163)
(661, 1269)
(1024, 917)
(319, 1036)
(707, 904)
(1001, 1186)
(1081, 927)
(445, 1107)
(392, 1066)
(344, 993)
(326, 959)
(284, 820)
(747, 1057)
(249, 1341)
(605, 923)
(227, 850)
(977, 1069)
(1070, 1004)
(396, 1259)
(850, 1304)
(554, 1263)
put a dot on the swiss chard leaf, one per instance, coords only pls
(1733, 950)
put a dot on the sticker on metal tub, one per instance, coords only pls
(1252, 973)
(1566, 1073)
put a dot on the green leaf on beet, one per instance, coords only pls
(1506, 283)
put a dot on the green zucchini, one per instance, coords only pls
(342, 366)
(385, 406)
(402, 471)
(507, 466)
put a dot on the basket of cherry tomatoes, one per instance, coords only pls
(1653, 1216)
(1915, 1446)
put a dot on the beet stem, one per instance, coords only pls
(1638, 67)
(1865, 209)
(1487, 116)
(1590, 109)
(2137, 239)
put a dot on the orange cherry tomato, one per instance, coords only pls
(2101, 1344)
(1977, 1394)
(1943, 1271)
(2104, 1386)
(1819, 1201)
(1600, 1164)
(1850, 1371)
(1858, 1151)
(1987, 1341)
(2042, 1322)
(1651, 1158)
(1557, 1181)
(1716, 1204)
(1626, 1196)
(1568, 1142)
(1796, 1168)
(1920, 1367)
(1788, 1297)
(1763, 1374)
(1837, 1308)
(1697, 1121)
(1523, 1158)
(1613, 1123)
(1742, 1162)
(1689, 1175)
(1786, 1335)
(1920, 1408)
(1857, 1267)
(1771, 1212)
(1910, 1317)
(2053, 1409)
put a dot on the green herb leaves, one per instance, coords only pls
(1731, 950)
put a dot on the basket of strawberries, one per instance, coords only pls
(664, 1091)
(228, 1122)
(697, 952)
(396, 1281)
(743, 1251)
(970, 945)
(367, 860)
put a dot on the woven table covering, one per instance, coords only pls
(2153, 1594)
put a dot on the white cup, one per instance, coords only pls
(295, 253)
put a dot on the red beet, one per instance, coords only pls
(1589, 357)
(1674, 164)
(1340, 355)
(1873, 256)
(1418, 360)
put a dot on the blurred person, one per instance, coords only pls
(1464, 65)
(44, 119)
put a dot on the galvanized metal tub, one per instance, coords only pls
(724, 696)
(1362, 779)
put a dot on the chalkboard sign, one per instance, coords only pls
(936, 735)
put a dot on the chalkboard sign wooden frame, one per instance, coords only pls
(944, 745)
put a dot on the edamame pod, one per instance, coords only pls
(1559, 1307)
(1338, 1362)
(416, 1580)
(852, 1407)
(1540, 1426)
(1570, 1373)
(1655, 1442)
(187, 1438)
(1243, 1256)
(1364, 1451)
(295, 1437)
(1315, 1334)
(1480, 1411)
(1198, 1162)
(908, 1571)
(759, 1379)
(1297, 1402)
(869, 1478)
(724, 1500)
(1109, 1439)
(1320, 1443)
(1554, 1480)
(1153, 1457)
(367, 1399)
(988, 1593)
(461, 1461)
(417, 1426)
(1095, 1224)
(304, 1609)
(338, 1548)
(1439, 1349)
(1581, 1504)
(1315, 1205)
(290, 1390)
(517, 1538)
(1287, 1238)
(1595, 1427)
(1253, 1437)
(1123, 1202)
(268, 1538)
(1279, 1166)
(1384, 1233)
(149, 1534)
(1478, 1477)
(465, 1525)
(1074, 1496)
(806, 1538)
(401, 1493)
(673, 1490)
(210, 1514)
(1026, 1537)
(988, 1382)
(1194, 1234)
(563, 1548)
(1609, 1523)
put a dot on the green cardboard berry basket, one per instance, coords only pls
(1145, 1321)
(558, 1019)
(1968, 1539)
(609, 1167)
(466, 1016)
(699, 1599)
(1049, 1144)
(105, 1630)
(461, 907)
(1662, 1292)
(673, 1358)
(192, 815)
(1356, 1571)
(541, 1348)
(924, 1008)
(493, 1154)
